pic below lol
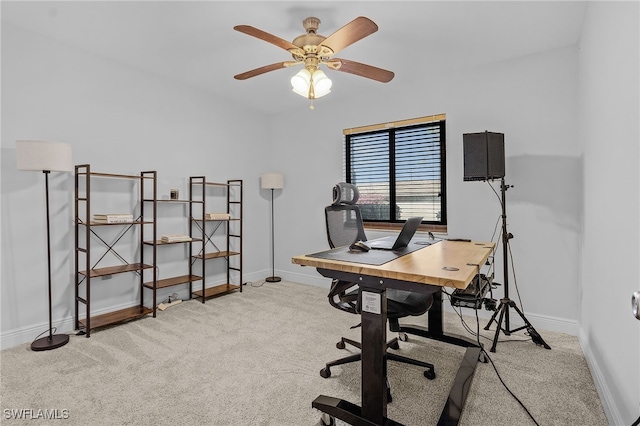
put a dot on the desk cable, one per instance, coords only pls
(469, 330)
(486, 355)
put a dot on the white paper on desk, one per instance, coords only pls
(371, 302)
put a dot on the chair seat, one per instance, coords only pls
(401, 303)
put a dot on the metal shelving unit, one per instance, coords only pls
(88, 260)
(205, 229)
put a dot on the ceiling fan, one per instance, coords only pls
(312, 50)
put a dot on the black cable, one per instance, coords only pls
(496, 227)
(53, 331)
(515, 279)
(498, 374)
(495, 192)
(473, 333)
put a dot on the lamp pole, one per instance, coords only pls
(273, 278)
(52, 341)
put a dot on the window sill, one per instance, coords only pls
(382, 226)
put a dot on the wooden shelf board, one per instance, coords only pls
(133, 222)
(211, 183)
(164, 243)
(111, 270)
(169, 201)
(115, 175)
(218, 290)
(217, 255)
(168, 282)
(215, 220)
(115, 317)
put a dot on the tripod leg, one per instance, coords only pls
(493, 318)
(503, 307)
(535, 337)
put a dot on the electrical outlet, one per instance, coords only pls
(106, 277)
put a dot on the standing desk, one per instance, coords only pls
(427, 270)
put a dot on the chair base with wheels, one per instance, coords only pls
(429, 373)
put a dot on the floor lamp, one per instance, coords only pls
(272, 181)
(45, 157)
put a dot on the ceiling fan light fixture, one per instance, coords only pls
(302, 81)
(321, 83)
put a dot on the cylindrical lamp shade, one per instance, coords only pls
(271, 181)
(41, 155)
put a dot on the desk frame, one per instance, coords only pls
(374, 355)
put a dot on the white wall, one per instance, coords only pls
(533, 101)
(120, 121)
(609, 128)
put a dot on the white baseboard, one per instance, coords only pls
(316, 280)
(609, 405)
(62, 326)
(17, 337)
(539, 322)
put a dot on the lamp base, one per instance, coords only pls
(47, 343)
(273, 279)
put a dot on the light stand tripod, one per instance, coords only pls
(506, 302)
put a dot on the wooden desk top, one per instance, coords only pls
(435, 264)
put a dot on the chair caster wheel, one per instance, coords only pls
(340, 345)
(395, 346)
(430, 374)
(403, 337)
(327, 420)
(325, 373)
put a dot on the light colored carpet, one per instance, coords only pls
(253, 358)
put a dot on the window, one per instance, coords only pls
(399, 169)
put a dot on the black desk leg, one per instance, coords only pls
(374, 368)
(374, 354)
(434, 319)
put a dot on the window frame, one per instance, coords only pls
(392, 128)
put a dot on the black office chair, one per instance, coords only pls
(345, 226)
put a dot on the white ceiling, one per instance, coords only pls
(194, 42)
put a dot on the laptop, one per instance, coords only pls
(387, 243)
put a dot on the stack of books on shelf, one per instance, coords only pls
(175, 238)
(217, 216)
(113, 218)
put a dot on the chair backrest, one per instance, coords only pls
(344, 227)
(343, 217)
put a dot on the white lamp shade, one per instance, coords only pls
(321, 83)
(300, 81)
(41, 155)
(271, 181)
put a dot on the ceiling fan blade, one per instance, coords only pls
(363, 70)
(270, 38)
(265, 69)
(355, 30)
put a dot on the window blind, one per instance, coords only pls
(399, 171)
